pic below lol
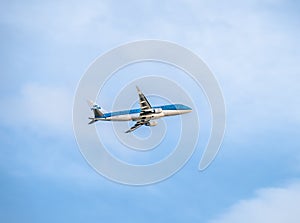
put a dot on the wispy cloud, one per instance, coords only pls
(64, 21)
(40, 108)
(40, 118)
(269, 205)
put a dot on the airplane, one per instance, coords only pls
(143, 115)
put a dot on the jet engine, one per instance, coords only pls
(157, 110)
(152, 123)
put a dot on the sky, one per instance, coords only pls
(252, 47)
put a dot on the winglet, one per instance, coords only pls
(138, 90)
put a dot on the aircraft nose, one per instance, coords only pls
(188, 108)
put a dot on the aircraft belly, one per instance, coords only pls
(120, 118)
(150, 116)
(159, 115)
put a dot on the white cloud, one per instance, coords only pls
(254, 55)
(40, 108)
(42, 112)
(65, 22)
(274, 205)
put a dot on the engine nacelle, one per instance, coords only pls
(152, 123)
(157, 110)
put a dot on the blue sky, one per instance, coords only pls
(253, 49)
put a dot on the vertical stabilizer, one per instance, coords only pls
(95, 108)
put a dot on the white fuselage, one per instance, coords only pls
(151, 116)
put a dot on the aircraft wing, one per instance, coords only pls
(145, 108)
(138, 124)
(144, 103)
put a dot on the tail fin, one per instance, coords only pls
(98, 112)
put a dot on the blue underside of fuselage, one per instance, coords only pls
(138, 110)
